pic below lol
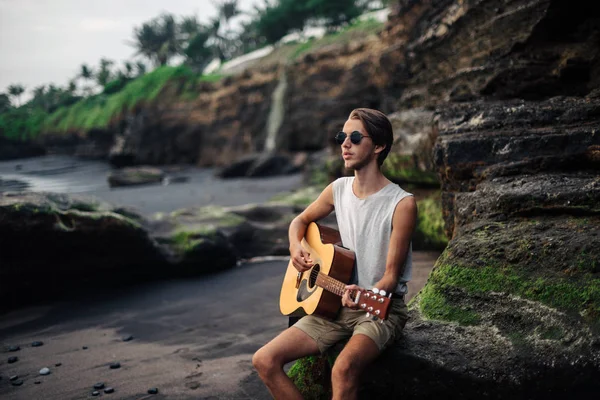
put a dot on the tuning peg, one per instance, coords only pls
(375, 290)
(370, 309)
(368, 315)
(380, 300)
(377, 312)
(363, 305)
(382, 292)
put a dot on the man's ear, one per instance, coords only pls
(379, 148)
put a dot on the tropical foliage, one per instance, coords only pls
(99, 93)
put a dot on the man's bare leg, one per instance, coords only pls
(269, 360)
(358, 353)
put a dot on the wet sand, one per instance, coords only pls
(64, 174)
(193, 339)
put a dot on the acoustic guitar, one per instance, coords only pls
(318, 290)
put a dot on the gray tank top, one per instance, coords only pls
(366, 226)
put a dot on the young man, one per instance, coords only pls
(376, 219)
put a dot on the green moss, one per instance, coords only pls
(301, 198)
(402, 168)
(210, 214)
(312, 376)
(186, 240)
(552, 333)
(579, 294)
(429, 232)
(434, 305)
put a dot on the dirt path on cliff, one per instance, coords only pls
(192, 339)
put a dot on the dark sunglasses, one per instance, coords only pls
(355, 137)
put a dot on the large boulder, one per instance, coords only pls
(260, 165)
(53, 242)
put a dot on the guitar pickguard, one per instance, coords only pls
(304, 292)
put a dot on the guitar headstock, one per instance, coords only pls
(375, 304)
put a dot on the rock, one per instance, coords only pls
(109, 390)
(99, 385)
(13, 348)
(57, 364)
(37, 382)
(12, 360)
(115, 365)
(153, 391)
(127, 338)
(17, 382)
(135, 176)
(95, 393)
(13, 378)
(45, 371)
(40, 220)
(13, 149)
(259, 165)
(37, 344)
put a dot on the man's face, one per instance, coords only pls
(356, 156)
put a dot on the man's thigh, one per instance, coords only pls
(324, 332)
(290, 345)
(384, 333)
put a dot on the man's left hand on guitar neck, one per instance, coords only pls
(387, 283)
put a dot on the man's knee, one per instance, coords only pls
(344, 370)
(265, 361)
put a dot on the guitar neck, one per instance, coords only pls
(330, 284)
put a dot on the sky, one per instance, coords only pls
(46, 41)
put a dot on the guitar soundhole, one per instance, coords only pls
(312, 281)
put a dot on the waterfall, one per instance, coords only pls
(276, 113)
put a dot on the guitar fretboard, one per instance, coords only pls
(328, 283)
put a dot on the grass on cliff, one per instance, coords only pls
(98, 111)
(356, 31)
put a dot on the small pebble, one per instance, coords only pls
(45, 371)
(127, 338)
(37, 382)
(84, 347)
(18, 382)
(153, 391)
(14, 348)
(99, 385)
(37, 344)
(115, 365)
(57, 364)
(13, 359)
(95, 393)
(109, 390)
(14, 378)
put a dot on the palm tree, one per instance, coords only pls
(158, 40)
(227, 9)
(4, 102)
(103, 74)
(16, 91)
(128, 69)
(140, 67)
(88, 75)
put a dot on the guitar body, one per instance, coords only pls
(299, 294)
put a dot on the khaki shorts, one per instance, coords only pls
(352, 322)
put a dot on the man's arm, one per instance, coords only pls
(403, 225)
(320, 208)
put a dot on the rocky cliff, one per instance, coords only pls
(512, 308)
